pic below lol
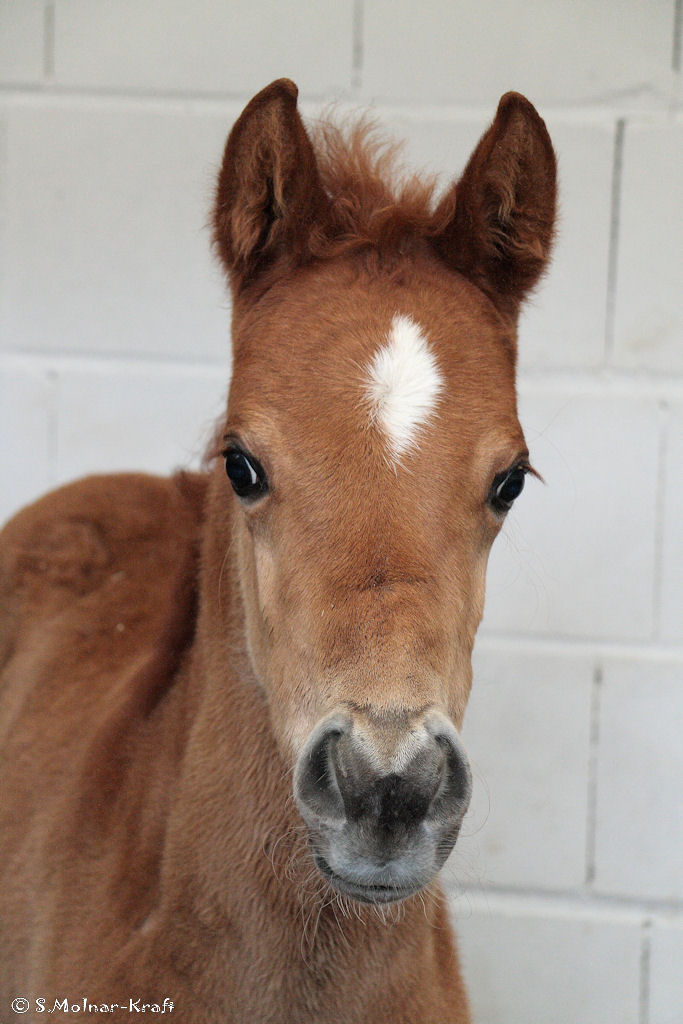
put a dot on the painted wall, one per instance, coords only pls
(568, 886)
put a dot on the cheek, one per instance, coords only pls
(468, 559)
(481, 538)
(462, 694)
(279, 647)
(279, 605)
(466, 606)
(265, 583)
(257, 582)
(478, 591)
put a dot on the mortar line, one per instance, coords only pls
(213, 100)
(608, 382)
(218, 100)
(612, 264)
(126, 358)
(678, 37)
(49, 41)
(574, 900)
(579, 645)
(592, 795)
(644, 974)
(660, 506)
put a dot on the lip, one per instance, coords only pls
(362, 893)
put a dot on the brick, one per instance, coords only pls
(648, 323)
(150, 418)
(106, 239)
(26, 424)
(534, 965)
(527, 732)
(639, 834)
(575, 557)
(22, 26)
(666, 976)
(672, 547)
(457, 52)
(173, 46)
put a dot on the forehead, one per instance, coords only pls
(378, 357)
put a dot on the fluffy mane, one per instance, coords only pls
(375, 202)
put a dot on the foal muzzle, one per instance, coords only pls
(383, 801)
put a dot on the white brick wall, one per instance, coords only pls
(203, 46)
(648, 329)
(22, 44)
(529, 737)
(531, 961)
(672, 514)
(639, 835)
(665, 952)
(568, 881)
(105, 244)
(566, 52)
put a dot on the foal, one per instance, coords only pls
(231, 702)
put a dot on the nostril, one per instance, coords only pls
(320, 762)
(452, 795)
(316, 788)
(442, 776)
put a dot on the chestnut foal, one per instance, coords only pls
(230, 705)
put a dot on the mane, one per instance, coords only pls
(375, 202)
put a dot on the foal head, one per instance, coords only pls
(372, 450)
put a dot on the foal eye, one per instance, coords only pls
(506, 487)
(245, 473)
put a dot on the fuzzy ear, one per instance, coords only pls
(270, 203)
(496, 224)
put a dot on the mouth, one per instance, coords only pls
(363, 893)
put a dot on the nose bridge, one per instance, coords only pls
(419, 743)
(390, 739)
(390, 609)
(387, 677)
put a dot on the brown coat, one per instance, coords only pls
(168, 649)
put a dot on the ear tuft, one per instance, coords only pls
(269, 200)
(496, 224)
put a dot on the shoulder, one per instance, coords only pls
(77, 538)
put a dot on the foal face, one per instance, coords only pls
(377, 416)
(373, 445)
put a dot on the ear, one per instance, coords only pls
(270, 204)
(496, 224)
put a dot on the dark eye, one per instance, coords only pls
(505, 488)
(245, 473)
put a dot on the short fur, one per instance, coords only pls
(166, 649)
